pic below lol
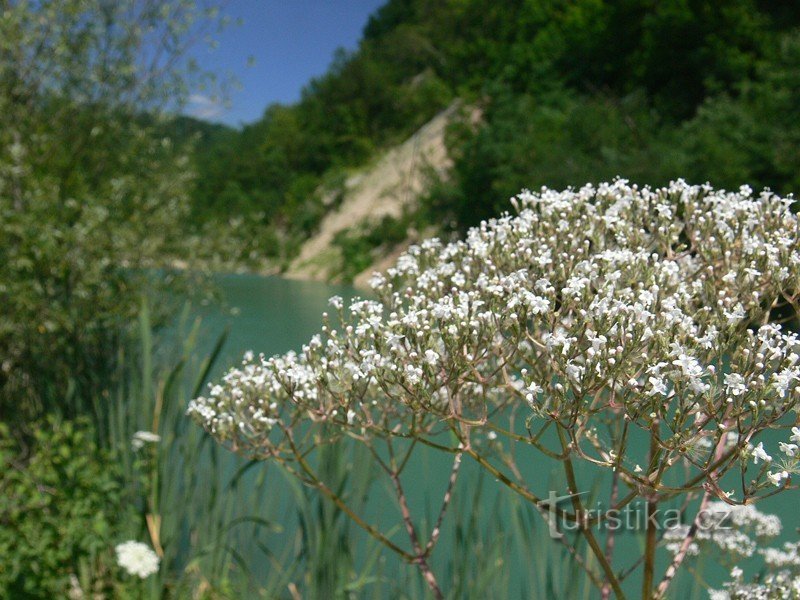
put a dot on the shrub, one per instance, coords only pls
(59, 510)
(358, 244)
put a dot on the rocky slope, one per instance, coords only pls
(393, 182)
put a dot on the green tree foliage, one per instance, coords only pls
(553, 140)
(91, 193)
(700, 90)
(752, 135)
(571, 91)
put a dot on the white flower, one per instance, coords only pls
(782, 558)
(735, 384)
(431, 357)
(795, 435)
(735, 315)
(533, 390)
(783, 380)
(575, 372)
(760, 454)
(137, 558)
(413, 374)
(692, 370)
(538, 305)
(140, 438)
(788, 449)
(777, 478)
(657, 386)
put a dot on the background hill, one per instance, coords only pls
(569, 92)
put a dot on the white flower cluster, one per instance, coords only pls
(781, 585)
(736, 531)
(611, 300)
(739, 532)
(787, 556)
(137, 558)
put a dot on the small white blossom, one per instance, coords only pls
(778, 477)
(140, 438)
(137, 558)
(735, 384)
(657, 386)
(795, 435)
(532, 391)
(431, 357)
(760, 454)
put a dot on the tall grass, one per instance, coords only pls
(223, 526)
(200, 508)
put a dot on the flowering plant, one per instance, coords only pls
(589, 325)
(137, 558)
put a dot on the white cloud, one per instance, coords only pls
(204, 107)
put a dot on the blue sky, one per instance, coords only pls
(290, 42)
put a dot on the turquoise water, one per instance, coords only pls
(274, 315)
(266, 314)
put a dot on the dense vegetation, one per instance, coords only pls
(90, 193)
(570, 92)
(92, 196)
(103, 190)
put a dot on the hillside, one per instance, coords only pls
(386, 188)
(568, 93)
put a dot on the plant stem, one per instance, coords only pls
(682, 551)
(584, 528)
(322, 487)
(448, 494)
(719, 454)
(649, 551)
(419, 559)
(652, 527)
(420, 556)
(605, 592)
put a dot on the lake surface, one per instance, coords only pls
(266, 314)
(274, 315)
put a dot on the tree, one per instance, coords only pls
(90, 193)
(622, 333)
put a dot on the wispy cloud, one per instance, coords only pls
(204, 107)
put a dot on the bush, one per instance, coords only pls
(359, 244)
(60, 509)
